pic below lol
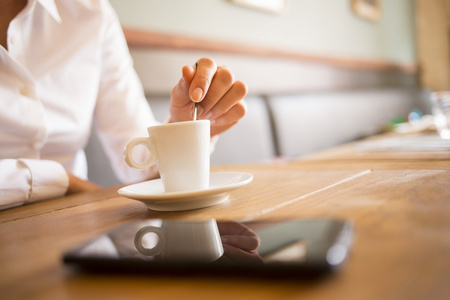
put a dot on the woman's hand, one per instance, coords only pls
(240, 243)
(220, 97)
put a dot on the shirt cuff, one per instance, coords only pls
(49, 179)
(213, 143)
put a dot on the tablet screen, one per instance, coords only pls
(299, 247)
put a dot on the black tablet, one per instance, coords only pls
(296, 248)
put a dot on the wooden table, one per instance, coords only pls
(400, 206)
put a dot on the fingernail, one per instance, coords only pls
(197, 95)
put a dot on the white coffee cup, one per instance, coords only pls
(181, 151)
(178, 240)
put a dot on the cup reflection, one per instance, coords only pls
(201, 241)
(178, 240)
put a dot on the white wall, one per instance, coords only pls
(323, 27)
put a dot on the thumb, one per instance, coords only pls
(180, 93)
(181, 103)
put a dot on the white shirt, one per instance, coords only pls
(67, 69)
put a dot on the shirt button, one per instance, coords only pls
(26, 91)
(12, 40)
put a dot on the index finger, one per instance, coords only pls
(206, 68)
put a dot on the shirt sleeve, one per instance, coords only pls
(29, 180)
(122, 112)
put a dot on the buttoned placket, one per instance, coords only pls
(27, 91)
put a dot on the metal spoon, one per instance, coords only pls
(196, 103)
(195, 110)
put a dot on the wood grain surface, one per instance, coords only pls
(400, 209)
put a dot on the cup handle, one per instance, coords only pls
(149, 251)
(129, 151)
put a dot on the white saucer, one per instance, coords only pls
(152, 193)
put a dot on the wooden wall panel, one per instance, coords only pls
(149, 39)
(433, 43)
